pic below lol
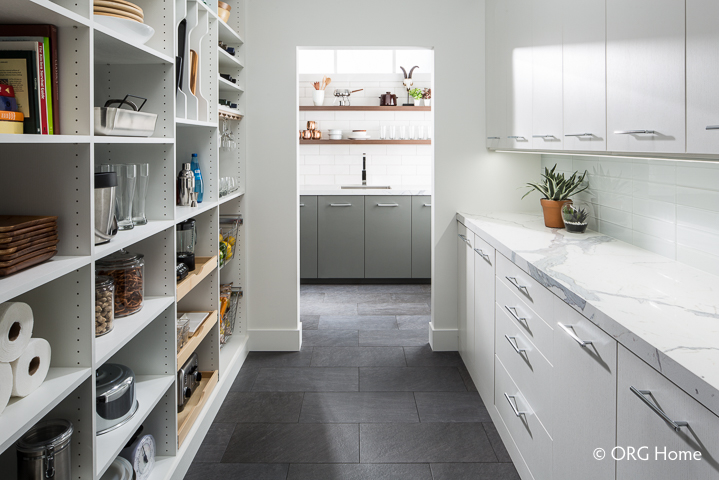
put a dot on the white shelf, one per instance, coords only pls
(231, 196)
(182, 122)
(227, 60)
(149, 389)
(125, 238)
(23, 138)
(101, 139)
(24, 281)
(231, 352)
(22, 413)
(114, 48)
(227, 34)
(126, 328)
(164, 466)
(227, 86)
(40, 12)
(183, 213)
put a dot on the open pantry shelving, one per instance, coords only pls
(97, 64)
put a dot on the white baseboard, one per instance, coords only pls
(443, 340)
(275, 340)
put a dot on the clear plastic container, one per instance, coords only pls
(183, 331)
(104, 304)
(127, 270)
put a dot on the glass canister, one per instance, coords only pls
(43, 453)
(104, 304)
(127, 271)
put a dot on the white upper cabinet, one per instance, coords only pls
(645, 75)
(547, 124)
(702, 77)
(496, 75)
(584, 79)
(517, 51)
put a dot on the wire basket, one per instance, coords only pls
(229, 228)
(232, 296)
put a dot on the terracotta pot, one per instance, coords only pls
(553, 212)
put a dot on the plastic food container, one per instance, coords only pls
(183, 331)
(104, 304)
(127, 271)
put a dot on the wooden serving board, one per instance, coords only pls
(113, 12)
(125, 7)
(11, 223)
(27, 263)
(27, 233)
(125, 2)
(28, 256)
(8, 248)
(4, 257)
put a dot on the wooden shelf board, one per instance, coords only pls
(203, 267)
(365, 142)
(186, 418)
(195, 340)
(362, 108)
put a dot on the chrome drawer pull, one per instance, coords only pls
(642, 394)
(427, 205)
(712, 127)
(516, 137)
(465, 239)
(340, 204)
(579, 135)
(512, 404)
(515, 345)
(635, 132)
(543, 136)
(513, 281)
(494, 138)
(570, 331)
(482, 254)
(302, 204)
(513, 312)
(388, 204)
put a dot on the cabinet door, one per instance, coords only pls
(638, 425)
(422, 236)
(547, 124)
(584, 396)
(484, 284)
(584, 77)
(308, 237)
(340, 237)
(645, 75)
(517, 51)
(702, 77)
(388, 237)
(496, 75)
(465, 267)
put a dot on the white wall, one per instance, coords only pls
(466, 177)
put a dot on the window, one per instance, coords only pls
(409, 58)
(364, 61)
(327, 62)
(316, 61)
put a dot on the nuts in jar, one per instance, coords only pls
(127, 271)
(104, 304)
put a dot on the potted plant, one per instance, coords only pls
(556, 190)
(575, 217)
(427, 95)
(416, 93)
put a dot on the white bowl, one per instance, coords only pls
(136, 31)
(335, 132)
(360, 137)
(335, 137)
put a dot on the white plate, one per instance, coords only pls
(120, 469)
(136, 31)
(362, 137)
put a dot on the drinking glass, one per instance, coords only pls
(412, 132)
(126, 181)
(403, 132)
(421, 135)
(429, 133)
(138, 200)
(383, 132)
(393, 132)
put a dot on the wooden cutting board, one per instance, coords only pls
(27, 263)
(26, 233)
(8, 248)
(125, 7)
(5, 257)
(113, 12)
(21, 257)
(11, 223)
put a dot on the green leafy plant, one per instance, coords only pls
(416, 93)
(573, 214)
(427, 93)
(556, 187)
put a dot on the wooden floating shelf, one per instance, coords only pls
(195, 340)
(365, 142)
(186, 418)
(230, 116)
(203, 267)
(361, 108)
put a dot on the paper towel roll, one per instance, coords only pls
(30, 370)
(16, 324)
(5, 385)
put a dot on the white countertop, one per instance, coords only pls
(365, 192)
(665, 312)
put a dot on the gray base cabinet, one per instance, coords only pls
(308, 237)
(388, 237)
(422, 236)
(340, 237)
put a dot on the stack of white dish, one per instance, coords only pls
(358, 135)
(335, 134)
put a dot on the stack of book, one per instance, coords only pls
(29, 64)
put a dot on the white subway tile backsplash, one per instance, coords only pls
(348, 160)
(698, 219)
(617, 202)
(654, 171)
(622, 233)
(309, 169)
(655, 191)
(654, 244)
(321, 115)
(698, 239)
(319, 180)
(349, 115)
(368, 149)
(654, 209)
(334, 169)
(334, 149)
(614, 216)
(309, 149)
(698, 259)
(385, 160)
(654, 227)
(401, 150)
(409, 116)
(347, 180)
(694, 177)
(401, 170)
(694, 197)
(319, 160)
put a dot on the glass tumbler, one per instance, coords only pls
(383, 132)
(420, 134)
(412, 133)
(138, 200)
(403, 132)
(126, 180)
(393, 132)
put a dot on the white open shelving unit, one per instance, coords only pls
(54, 176)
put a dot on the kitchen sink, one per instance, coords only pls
(367, 187)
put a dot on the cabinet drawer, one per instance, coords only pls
(532, 440)
(539, 332)
(528, 368)
(529, 290)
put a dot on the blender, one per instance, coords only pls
(186, 241)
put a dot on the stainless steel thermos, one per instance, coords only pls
(185, 186)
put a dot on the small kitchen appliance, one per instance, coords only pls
(115, 402)
(188, 381)
(186, 241)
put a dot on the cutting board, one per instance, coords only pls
(27, 233)
(27, 263)
(11, 223)
(125, 7)
(113, 12)
(4, 263)
(8, 248)
(4, 257)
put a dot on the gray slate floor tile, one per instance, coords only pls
(424, 442)
(393, 338)
(358, 297)
(410, 379)
(260, 407)
(330, 338)
(308, 289)
(293, 443)
(309, 322)
(245, 379)
(451, 407)
(467, 378)
(237, 471)
(358, 322)
(499, 449)
(414, 322)
(359, 407)
(424, 357)
(279, 359)
(312, 297)
(360, 472)
(214, 444)
(411, 298)
(474, 471)
(358, 357)
(390, 288)
(393, 309)
(307, 379)
(328, 308)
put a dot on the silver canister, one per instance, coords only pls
(185, 186)
(105, 222)
(43, 453)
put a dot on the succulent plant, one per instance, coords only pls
(573, 214)
(427, 93)
(416, 93)
(556, 186)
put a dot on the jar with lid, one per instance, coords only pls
(44, 452)
(127, 271)
(104, 304)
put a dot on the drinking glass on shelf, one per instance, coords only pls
(403, 132)
(126, 180)
(393, 132)
(420, 134)
(412, 133)
(429, 133)
(138, 201)
(383, 132)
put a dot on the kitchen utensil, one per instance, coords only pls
(115, 12)
(27, 263)
(388, 100)
(105, 220)
(188, 381)
(125, 193)
(223, 11)
(186, 242)
(343, 94)
(127, 271)
(318, 97)
(104, 304)
(140, 453)
(185, 185)
(181, 51)
(194, 62)
(126, 7)
(135, 31)
(119, 469)
(138, 200)
(117, 121)
(11, 223)
(115, 402)
(43, 453)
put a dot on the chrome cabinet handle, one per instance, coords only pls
(513, 312)
(570, 331)
(579, 135)
(513, 281)
(712, 127)
(485, 256)
(494, 138)
(515, 345)
(388, 204)
(516, 137)
(642, 394)
(302, 204)
(512, 404)
(543, 136)
(340, 204)
(465, 239)
(427, 205)
(634, 132)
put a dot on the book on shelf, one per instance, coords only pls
(44, 108)
(17, 68)
(8, 103)
(7, 126)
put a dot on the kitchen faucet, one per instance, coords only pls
(364, 169)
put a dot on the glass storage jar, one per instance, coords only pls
(104, 304)
(183, 331)
(127, 271)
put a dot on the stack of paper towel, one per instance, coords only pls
(24, 361)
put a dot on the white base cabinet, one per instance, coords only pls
(466, 294)
(483, 367)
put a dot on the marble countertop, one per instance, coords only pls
(665, 312)
(364, 192)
